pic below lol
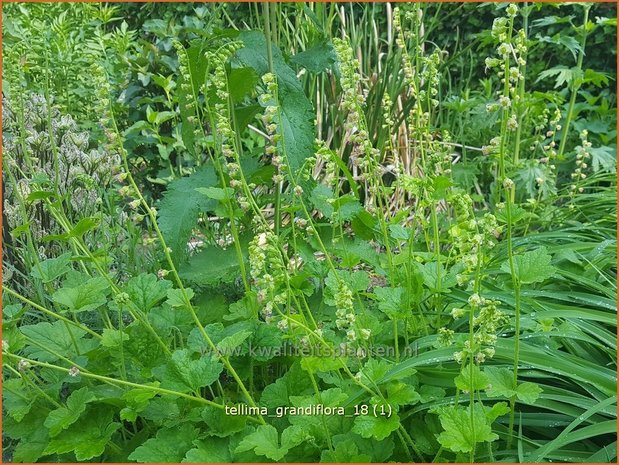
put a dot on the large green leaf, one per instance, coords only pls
(463, 430)
(531, 267)
(212, 450)
(214, 265)
(146, 291)
(297, 115)
(58, 338)
(87, 296)
(184, 374)
(169, 445)
(264, 441)
(318, 58)
(377, 427)
(180, 206)
(65, 416)
(52, 268)
(87, 438)
(188, 88)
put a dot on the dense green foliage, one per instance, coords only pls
(379, 233)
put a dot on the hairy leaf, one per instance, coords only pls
(531, 267)
(65, 416)
(461, 433)
(296, 122)
(87, 296)
(180, 206)
(169, 445)
(52, 268)
(184, 374)
(146, 291)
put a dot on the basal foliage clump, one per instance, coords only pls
(279, 216)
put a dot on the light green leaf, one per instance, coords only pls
(220, 424)
(16, 400)
(166, 319)
(184, 374)
(295, 382)
(390, 301)
(498, 409)
(137, 401)
(52, 268)
(402, 394)
(87, 438)
(113, 337)
(344, 452)
(212, 450)
(176, 299)
(263, 441)
(603, 158)
(180, 207)
(65, 416)
(467, 381)
(379, 427)
(169, 445)
(85, 297)
(320, 364)
(460, 433)
(31, 448)
(528, 392)
(146, 291)
(58, 337)
(83, 226)
(501, 382)
(227, 345)
(531, 267)
(563, 75)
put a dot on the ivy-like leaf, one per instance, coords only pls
(399, 393)
(294, 382)
(137, 400)
(390, 301)
(502, 385)
(16, 400)
(318, 58)
(220, 424)
(176, 299)
(528, 392)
